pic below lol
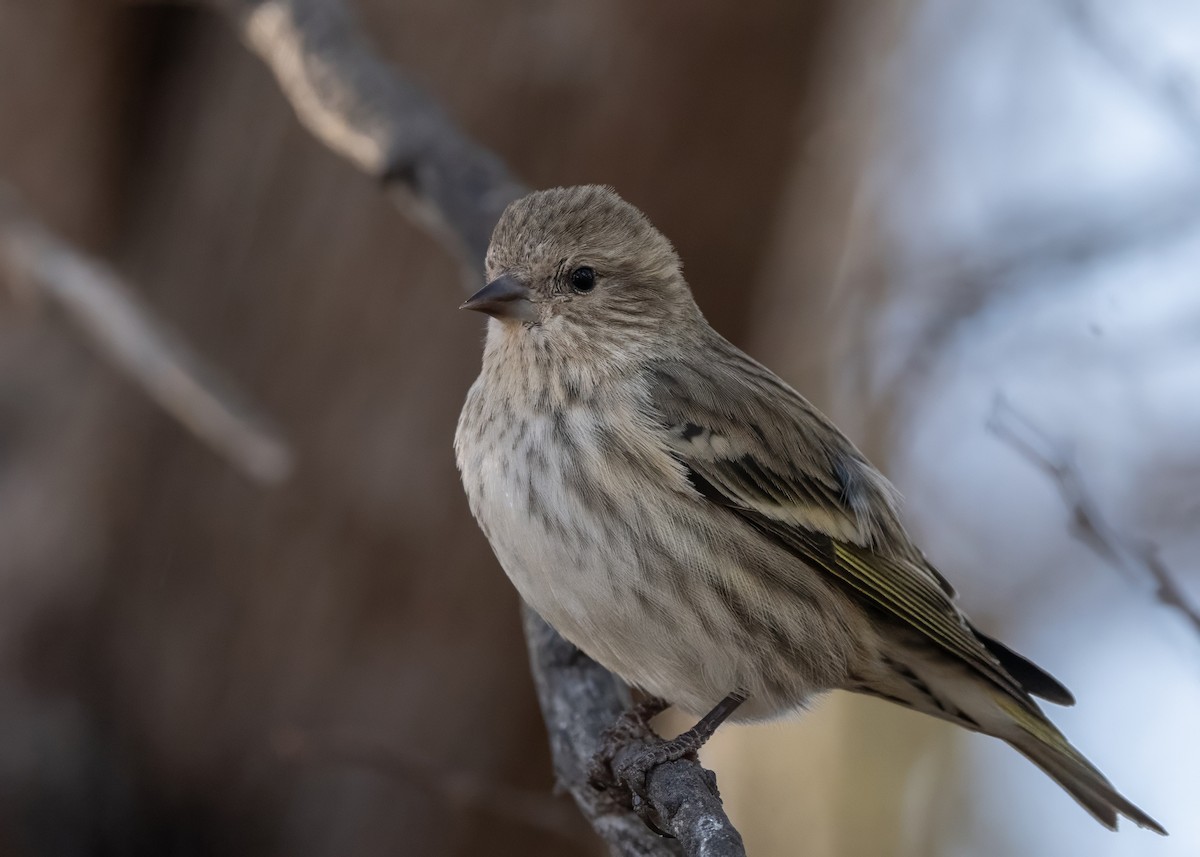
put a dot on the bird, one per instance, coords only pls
(691, 522)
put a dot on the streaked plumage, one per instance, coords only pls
(690, 521)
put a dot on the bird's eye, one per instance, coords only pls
(583, 279)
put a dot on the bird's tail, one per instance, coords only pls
(939, 687)
(1030, 733)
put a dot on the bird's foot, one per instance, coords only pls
(633, 769)
(632, 727)
(630, 750)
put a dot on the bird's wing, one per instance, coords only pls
(753, 445)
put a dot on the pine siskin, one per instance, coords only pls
(690, 521)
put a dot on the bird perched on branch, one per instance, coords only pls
(691, 522)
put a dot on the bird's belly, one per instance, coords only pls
(640, 601)
(662, 588)
(578, 561)
(602, 605)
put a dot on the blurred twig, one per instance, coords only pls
(37, 264)
(1175, 93)
(1038, 244)
(1134, 556)
(1086, 232)
(358, 106)
(363, 110)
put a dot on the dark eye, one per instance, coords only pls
(583, 279)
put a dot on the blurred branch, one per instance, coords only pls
(1040, 243)
(357, 105)
(362, 109)
(1086, 233)
(38, 264)
(1175, 94)
(1055, 458)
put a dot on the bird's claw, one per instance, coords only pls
(632, 727)
(625, 772)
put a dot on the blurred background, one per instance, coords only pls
(911, 209)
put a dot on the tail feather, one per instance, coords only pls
(1036, 739)
(1033, 678)
(942, 688)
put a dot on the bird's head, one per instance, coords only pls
(579, 265)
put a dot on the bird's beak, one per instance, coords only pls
(504, 297)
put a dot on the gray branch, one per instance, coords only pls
(362, 109)
(580, 699)
(1136, 557)
(40, 267)
(357, 105)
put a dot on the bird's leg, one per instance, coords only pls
(629, 771)
(632, 771)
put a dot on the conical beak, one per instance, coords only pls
(504, 297)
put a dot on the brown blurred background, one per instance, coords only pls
(191, 663)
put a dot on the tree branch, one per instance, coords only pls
(1136, 557)
(38, 264)
(356, 104)
(580, 699)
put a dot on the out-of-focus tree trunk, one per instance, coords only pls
(69, 431)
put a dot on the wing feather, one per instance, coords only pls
(771, 458)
